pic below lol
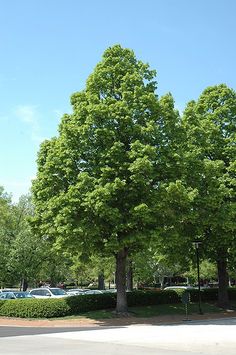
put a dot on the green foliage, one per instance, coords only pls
(151, 267)
(208, 271)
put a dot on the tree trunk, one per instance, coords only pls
(24, 284)
(101, 282)
(121, 301)
(130, 285)
(161, 280)
(223, 279)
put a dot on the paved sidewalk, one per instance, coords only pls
(207, 337)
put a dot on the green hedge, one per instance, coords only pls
(208, 294)
(145, 298)
(48, 308)
(232, 294)
(34, 308)
(85, 303)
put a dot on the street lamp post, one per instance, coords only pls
(196, 244)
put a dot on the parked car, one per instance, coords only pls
(15, 295)
(82, 291)
(48, 292)
(109, 290)
(92, 292)
(77, 291)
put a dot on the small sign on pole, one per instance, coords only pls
(186, 300)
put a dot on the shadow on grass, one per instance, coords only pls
(155, 311)
(155, 315)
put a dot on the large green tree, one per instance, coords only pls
(98, 182)
(210, 152)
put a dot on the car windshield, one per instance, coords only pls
(7, 295)
(6, 290)
(57, 291)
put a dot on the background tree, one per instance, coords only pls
(153, 269)
(26, 253)
(210, 125)
(7, 234)
(200, 204)
(208, 272)
(21, 252)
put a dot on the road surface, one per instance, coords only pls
(211, 337)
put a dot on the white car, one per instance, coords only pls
(48, 292)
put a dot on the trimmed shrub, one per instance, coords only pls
(85, 303)
(145, 298)
(48, 308)
(208, 294)
(232, 294)
(35, 308)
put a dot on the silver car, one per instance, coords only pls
(77, 291)
(15, 295)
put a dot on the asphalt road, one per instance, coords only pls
(11, 331)
(215, 337)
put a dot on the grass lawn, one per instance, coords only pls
(152, 311)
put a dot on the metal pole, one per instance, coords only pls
(198, 278)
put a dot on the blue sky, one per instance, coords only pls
(49, 47)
